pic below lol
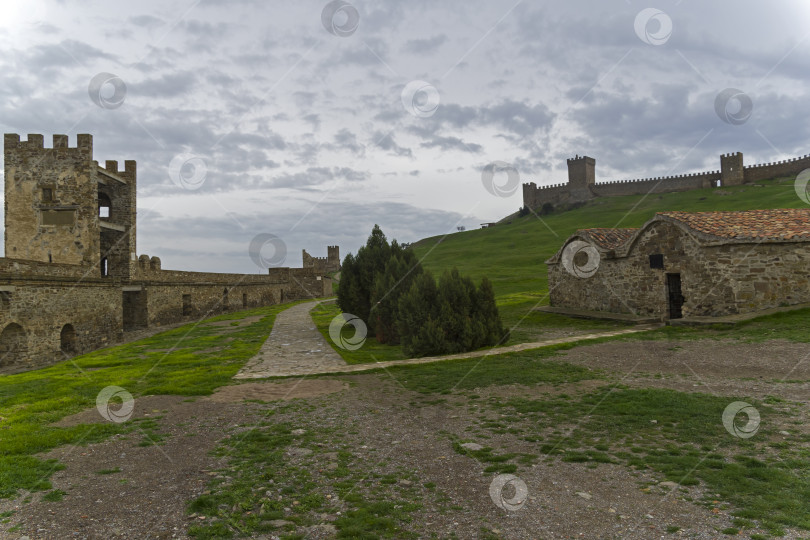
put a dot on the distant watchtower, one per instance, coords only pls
(731, 169)
(581, 176)
(332, 258)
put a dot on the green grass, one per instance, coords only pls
(789, 325)
(54, 496)
(30, 402)
(529, 368)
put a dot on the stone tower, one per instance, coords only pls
(61, 207)
(731, 169)
(332, 258)
(581, 176)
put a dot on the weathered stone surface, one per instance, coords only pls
(717, 278)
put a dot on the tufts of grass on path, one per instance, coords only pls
(30, 402)
(264, 490)
(529, 368)
(679, 435)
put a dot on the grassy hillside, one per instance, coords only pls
(512, 255)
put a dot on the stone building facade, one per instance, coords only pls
(582, 184)
(684, 264)
(71, 280)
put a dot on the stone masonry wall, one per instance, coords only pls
(715, 280)
(766, 171)
(43, 309)
(50, 200)
(666, 184)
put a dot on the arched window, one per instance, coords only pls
(104, 206)
(67, 339)
(13, 344)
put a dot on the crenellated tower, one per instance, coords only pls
(61, 207)
(731, 169)
(581, 176)
(332, 258)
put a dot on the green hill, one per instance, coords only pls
(512, 254)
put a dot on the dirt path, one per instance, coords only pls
(296, 347)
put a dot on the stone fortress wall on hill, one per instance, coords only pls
(71, 280)
(582, 186)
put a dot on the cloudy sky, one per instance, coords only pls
(313, 120)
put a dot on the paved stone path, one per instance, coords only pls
(295, 347)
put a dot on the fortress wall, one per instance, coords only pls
(39, 311)
(176, 295)
(766, 171)
(167, 304)
(535, 197)
(663, 184)
(167, 277)
(38, 299)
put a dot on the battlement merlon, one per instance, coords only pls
(128, 175)
(36, 142)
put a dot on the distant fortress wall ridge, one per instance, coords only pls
(582, 186)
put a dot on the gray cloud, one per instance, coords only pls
(276, 105)
(424, 46)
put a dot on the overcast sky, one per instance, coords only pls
(312, 120)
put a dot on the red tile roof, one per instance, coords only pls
(776, 224)
(608, 238)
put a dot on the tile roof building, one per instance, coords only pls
(686, 264)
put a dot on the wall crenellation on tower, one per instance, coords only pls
(582, 186)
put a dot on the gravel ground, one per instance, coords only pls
(392, 429)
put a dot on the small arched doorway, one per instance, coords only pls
(13, 344)
(67, 339)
